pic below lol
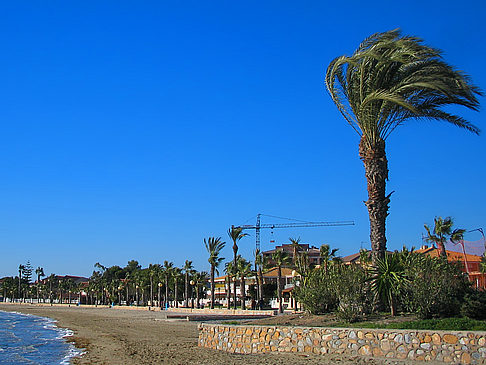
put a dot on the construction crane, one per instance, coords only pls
(300, 224)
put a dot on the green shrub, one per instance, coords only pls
(436, 287)
(474, 305)
(317, 295)
(352, 292)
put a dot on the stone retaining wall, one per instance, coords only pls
(446, 346)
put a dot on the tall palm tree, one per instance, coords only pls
(295, 244)
(261, 263)
(244, 270)
(441, 232)
(39, 272)
(229, 273)
(167, 273)
(200, 279)
(236, 234)
(327, 255)
(389, 80)
(176, 275)
(188, 270)
(21, 270)
(152, 271)
(281, 258)
(214, 246)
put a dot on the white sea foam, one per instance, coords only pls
(39, 342)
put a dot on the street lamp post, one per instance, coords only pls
(136, 287)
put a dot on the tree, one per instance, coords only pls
(294, 243)
(230, 272)
(21, 270)
(167, 273)
(214, 246)
(327, 255)
(261, 263)
(200, 279)
(153, 271)
(389, 80)
(176, 275)
(236, 234)
(244, 270)
(188, 270)
(39, 272)
(281, 258)
(441, 232)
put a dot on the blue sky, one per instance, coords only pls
(133, 131)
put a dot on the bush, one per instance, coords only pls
(317, 296)
(474, 305)
(436, 287)
(352, 292)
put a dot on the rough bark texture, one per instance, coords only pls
(242, 293)
(228, 294)
(376, 168)
(279, 290)
(212, 286)
(235, 252)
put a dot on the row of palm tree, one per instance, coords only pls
(158, 284)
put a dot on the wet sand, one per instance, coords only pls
(117, 336)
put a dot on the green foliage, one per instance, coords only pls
(352, 291)
(474, 305)
(436, 287)
(317, 296)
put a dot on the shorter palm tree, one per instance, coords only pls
(200, 279)
(167, 273)
(176, 275)
(327, 255)
(244, 270)
(229, 274)
(295, 244)
(280, 258)
(39, 272)
(236, 234)
(188, 270)
(214, 246)
(443, 230)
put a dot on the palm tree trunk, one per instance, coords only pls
(279, 290)
(175, 293)
(376, 169)
(151, 290)
(212, 286)
(186, 290)
(228, 294)
(260, 288)
(242, 293)
(166, 290)
(234, 293)
(197, 296)
(235, 252)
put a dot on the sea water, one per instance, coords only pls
(28, 339)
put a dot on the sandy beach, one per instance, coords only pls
(117, 336)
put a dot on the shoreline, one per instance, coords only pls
(120, 336)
